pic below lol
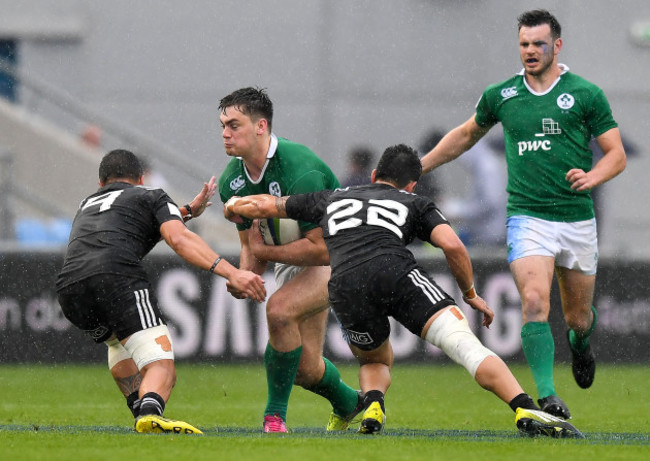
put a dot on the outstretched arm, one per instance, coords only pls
(444, 237)
(453, 144)
(202, 200)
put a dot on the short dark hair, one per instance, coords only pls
(120, 163)
(399, 164)
(534, 18)
(254, 102)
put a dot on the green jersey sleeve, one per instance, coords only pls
(600, 119)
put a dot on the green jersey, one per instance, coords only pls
(546, 135)
(290, 169)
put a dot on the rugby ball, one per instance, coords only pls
(277, 231)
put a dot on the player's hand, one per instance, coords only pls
(229, 215)
(480, 305)
(246, 284)
(580, 180)
(236, 293)
(202, 199)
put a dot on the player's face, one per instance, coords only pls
(238, 132)
(537, 49)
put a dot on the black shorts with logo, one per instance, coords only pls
(103, 305)
(364, 298)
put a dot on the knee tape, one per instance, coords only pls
(116, 352)
(451, 333)
(150, 345)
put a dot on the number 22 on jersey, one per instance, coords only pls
(348, 213)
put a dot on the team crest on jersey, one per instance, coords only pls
(237, 183)
(274, 189)
(507, 93)
(565, 101)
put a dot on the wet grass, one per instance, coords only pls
(76, 412)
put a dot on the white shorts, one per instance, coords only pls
(574, 245)
(285, 272)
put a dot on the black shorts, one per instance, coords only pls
(364, 298)
(103, 305)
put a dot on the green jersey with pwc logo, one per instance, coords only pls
(290, 169)
(546, 135)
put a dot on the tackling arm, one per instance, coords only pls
(307, 251)
(255, 206)
(195, 251)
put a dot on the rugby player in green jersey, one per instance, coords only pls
(548, 116)
(297, 312)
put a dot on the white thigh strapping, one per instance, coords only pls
(451, 333)
(116, 352)
(150, 345)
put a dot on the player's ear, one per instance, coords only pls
(141, 181)
(410, 186)
(373, 175)
(262, 125)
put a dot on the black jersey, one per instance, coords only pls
(365, 222)
(113, 230)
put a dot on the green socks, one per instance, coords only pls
(580, 341)
(281, 369)
(539, 349)
(343, 398)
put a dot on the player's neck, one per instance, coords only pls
(125, 180)
(381, 181)
(542, 82)
(255, 162)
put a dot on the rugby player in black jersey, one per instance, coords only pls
(104, 290)
(375, 276)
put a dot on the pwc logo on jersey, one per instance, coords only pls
(507, 93)
(237, 183)
(274, 189)
(549, 127)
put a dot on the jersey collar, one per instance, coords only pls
(564, 68)
(273, 147)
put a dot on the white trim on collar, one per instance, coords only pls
(273, 147)
(564, 68)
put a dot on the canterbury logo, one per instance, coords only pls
(237, 183)
(508, 93)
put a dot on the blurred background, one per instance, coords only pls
(79, 78)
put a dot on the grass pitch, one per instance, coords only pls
(433, 412)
